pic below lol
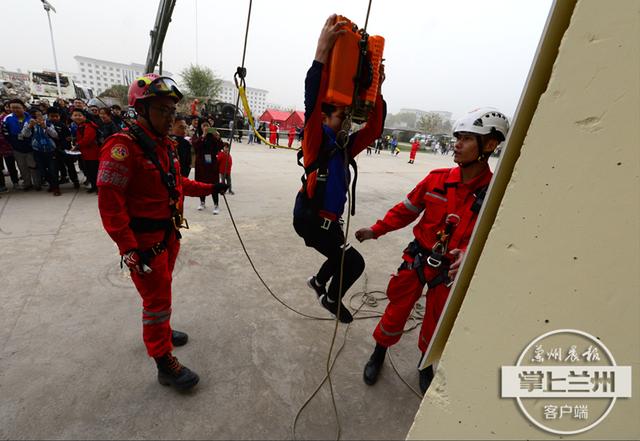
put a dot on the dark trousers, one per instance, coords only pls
(11, 167)
(329, 242)
(226, 179)
(47, 167)
(91, 170)
(67, 166)
(214, 196)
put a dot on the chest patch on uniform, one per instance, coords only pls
(119, 152)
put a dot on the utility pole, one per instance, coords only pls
(48, 7)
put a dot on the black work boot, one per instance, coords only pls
(374, 365)
(327, 303)
(179, 338)
(426, 377)
(172, 373)
(320, 290)
(332, 307)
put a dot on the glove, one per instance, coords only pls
(220, 188)
(134, 261)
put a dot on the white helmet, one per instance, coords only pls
(482, 122)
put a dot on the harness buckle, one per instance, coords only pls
(326, 223)
(433, 262)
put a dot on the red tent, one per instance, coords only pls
(295, 119)
(274, 115)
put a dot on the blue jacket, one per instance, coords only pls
(335, 196)
(13, 132)
(41, 138)
(319, 138)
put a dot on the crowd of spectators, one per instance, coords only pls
(57, 146)
(46, 146)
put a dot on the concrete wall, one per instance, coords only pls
(564, 251)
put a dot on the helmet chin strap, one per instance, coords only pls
(481, 156)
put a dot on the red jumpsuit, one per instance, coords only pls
(414, 149)
(437, 200)
(130, 187)
(273, 133)
(292, 135)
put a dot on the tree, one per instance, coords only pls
(118, 91)
(447, 126)
(200, 81)
(433, 123)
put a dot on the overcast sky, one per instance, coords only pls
(452, 55)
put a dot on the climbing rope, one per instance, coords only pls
(367, 298)
(242, 93)
(239, 80)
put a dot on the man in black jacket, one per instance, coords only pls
(66, 163)
(178, 133)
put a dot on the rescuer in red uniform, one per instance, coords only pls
(273, 133)
(415, 145)
(140, 201)
(451, 199)
(292, 135)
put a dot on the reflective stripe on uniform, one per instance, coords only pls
(154, 318)
(437, 196)
(407, 203)
(389, 334)
(155, 321)
(156, 314)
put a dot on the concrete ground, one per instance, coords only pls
(72, 361)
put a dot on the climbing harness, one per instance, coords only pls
(176, 221)
(436, 256)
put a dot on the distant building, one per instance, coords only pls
(14, 85)
(99, 75)
(257, 98)
(7, 75)
(420, 113)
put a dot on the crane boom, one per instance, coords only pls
(159, 31)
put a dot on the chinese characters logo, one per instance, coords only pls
(566, 382)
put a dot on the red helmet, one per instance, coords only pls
(150, 85)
